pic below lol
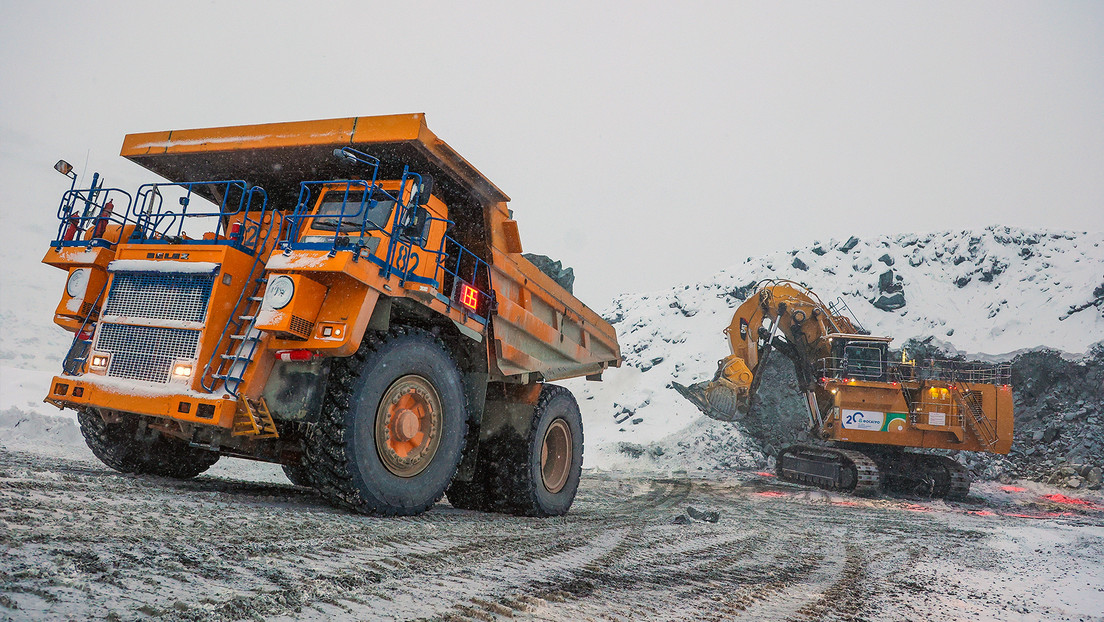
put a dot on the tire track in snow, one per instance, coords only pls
(83, 542)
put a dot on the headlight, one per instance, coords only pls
(78, 282)
(279, 292)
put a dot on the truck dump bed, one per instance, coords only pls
(535, 327)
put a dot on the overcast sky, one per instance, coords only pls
(645, 144)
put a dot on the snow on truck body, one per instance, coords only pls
(339, 251)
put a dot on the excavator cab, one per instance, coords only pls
(860, 359)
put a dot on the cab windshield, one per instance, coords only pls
(346, 213)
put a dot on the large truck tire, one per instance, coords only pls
(392, 427)
(118, 446)
(539, 476)
(297, 474)
(469, 495)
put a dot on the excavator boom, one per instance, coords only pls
(777, 309)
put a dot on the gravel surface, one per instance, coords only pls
(81, 541)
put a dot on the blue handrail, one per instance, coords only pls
(304, 205)
(352, 227)
(157, 224)
(252, 286)
(75, 222)
(77, 356)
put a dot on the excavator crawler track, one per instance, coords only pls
(925, 475)
(959, 484)
(830, 468)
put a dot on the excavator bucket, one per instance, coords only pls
(718, 398)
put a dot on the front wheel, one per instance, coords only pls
(393, 425)
(122, 446)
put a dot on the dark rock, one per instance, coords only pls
(963, 281)
(885, 281)
(1050, 435)
(631, 449)
(1045, 385)
(1092, 474)
(890, 303)
(846, 247)
(554, 269)
(707, 516)
(819, 250)
(994, 269)
(800, 265)
(886, 259)
(681, 519)
(637, 420)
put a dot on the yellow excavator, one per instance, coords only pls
(864, 409)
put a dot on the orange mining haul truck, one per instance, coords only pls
(344, 297)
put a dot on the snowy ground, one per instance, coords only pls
(81, 542)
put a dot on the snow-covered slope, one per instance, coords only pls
(989, 292)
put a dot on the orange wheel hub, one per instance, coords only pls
(408, 426)
(556, 456)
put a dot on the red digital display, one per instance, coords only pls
(469, 296)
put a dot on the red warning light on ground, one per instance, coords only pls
(469, 296)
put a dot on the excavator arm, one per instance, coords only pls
(781, 316)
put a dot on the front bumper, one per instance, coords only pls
(155, 401)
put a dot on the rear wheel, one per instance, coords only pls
(393, 425)
(469, 495)
(540, 475)
(121, 446)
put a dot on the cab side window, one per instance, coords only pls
(417, 230)
(864, 362)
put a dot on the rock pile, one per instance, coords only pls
(1059, 413)
(1076, 476)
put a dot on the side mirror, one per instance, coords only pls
(425, 190)
(63, 167)
(347, 158)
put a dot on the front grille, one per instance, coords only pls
(145, 352)
(178, 296)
